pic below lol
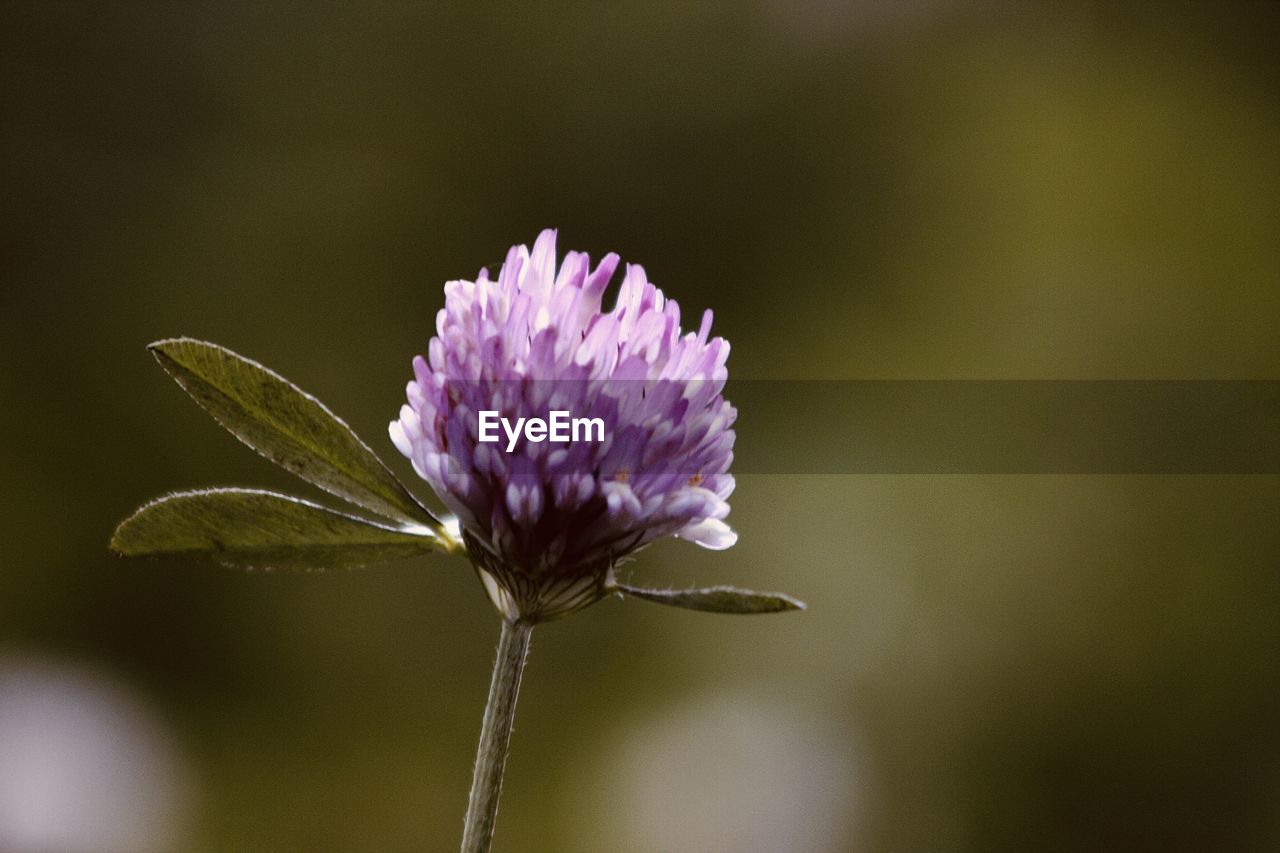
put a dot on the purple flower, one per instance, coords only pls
(545, 522)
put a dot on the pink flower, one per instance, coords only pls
(546, 521)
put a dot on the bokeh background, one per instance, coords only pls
(874, 189)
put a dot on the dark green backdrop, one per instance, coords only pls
(875, 189)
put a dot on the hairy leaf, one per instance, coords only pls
(716, 599)
(251, 528)
(288, 426)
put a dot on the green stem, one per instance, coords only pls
(495, 736)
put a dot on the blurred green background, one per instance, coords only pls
(875, 189)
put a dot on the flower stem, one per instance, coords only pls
(495, 735)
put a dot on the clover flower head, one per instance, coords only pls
(546, 522)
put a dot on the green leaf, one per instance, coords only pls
(288, 426)
(251, 528)
(716, 599)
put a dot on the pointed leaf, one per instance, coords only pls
(716, 599)
(288, 426)
(251, 528)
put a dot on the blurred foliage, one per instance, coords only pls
(871, 189)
